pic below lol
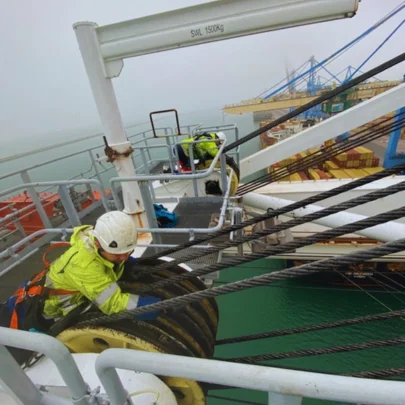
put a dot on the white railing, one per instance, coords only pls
(284, 386)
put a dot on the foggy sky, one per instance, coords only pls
(44, 87)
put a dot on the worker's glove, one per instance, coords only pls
(131, 260)
(144, 301)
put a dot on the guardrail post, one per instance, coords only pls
(17, 223)
(145, 139)
(237, 235)
(144, 160)
(94, 163)
(176, 157)
(191, 158)
(17, 381)
(69, 206)
(36, 200)
(171, 157)
(149, 210)
(238, 148)
(58, 353)
(283, 399)
(90, 192)
(223, 174)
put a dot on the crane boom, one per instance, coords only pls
(356, 116)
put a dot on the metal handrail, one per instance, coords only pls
(56, 183)
(22, 242)
(202, 175)
(40, 203)
(11, 251)
(57, 352)
(191, 231)
(17, 213)
(283, 386)
(67, 156)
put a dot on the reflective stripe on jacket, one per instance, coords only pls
(202, 149)
(82, 269)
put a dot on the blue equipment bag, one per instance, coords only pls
(165, 218)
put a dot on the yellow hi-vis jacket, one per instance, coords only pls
(94, 278)
(202, 150)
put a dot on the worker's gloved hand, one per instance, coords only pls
(144, 301)
(131, 260)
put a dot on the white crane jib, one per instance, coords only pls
(104, 48)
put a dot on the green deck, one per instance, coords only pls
(296, 303)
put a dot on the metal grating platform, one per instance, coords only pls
(193, 214)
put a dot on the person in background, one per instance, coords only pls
(202, 151)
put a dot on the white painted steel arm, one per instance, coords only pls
(268, 379)
(107, 106)
(387, 232)
(56, 351)
(212, 21)
(361, 114)
(104, 48)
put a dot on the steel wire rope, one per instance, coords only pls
(395, 291)
(386, 373)
(324, 154)
(372, 72)
(399, 273)
(311, 268)
(318, 157)
(321, 159)
(311, 328)
(261, 268)
(317, 352)
(368, 293)
(319, 288)
(289, 224)
(289, 246)
(280, 211)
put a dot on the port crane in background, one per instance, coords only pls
(305, 84)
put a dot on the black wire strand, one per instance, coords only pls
(178, 303)
(326, 153)
(312, 328)
(270, 214)
(289, 246)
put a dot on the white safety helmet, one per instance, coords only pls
(116, 232)
(221, 136)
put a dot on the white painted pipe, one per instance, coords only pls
(268, 379)
(110, 116)
(387, 232)
(56, 351)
